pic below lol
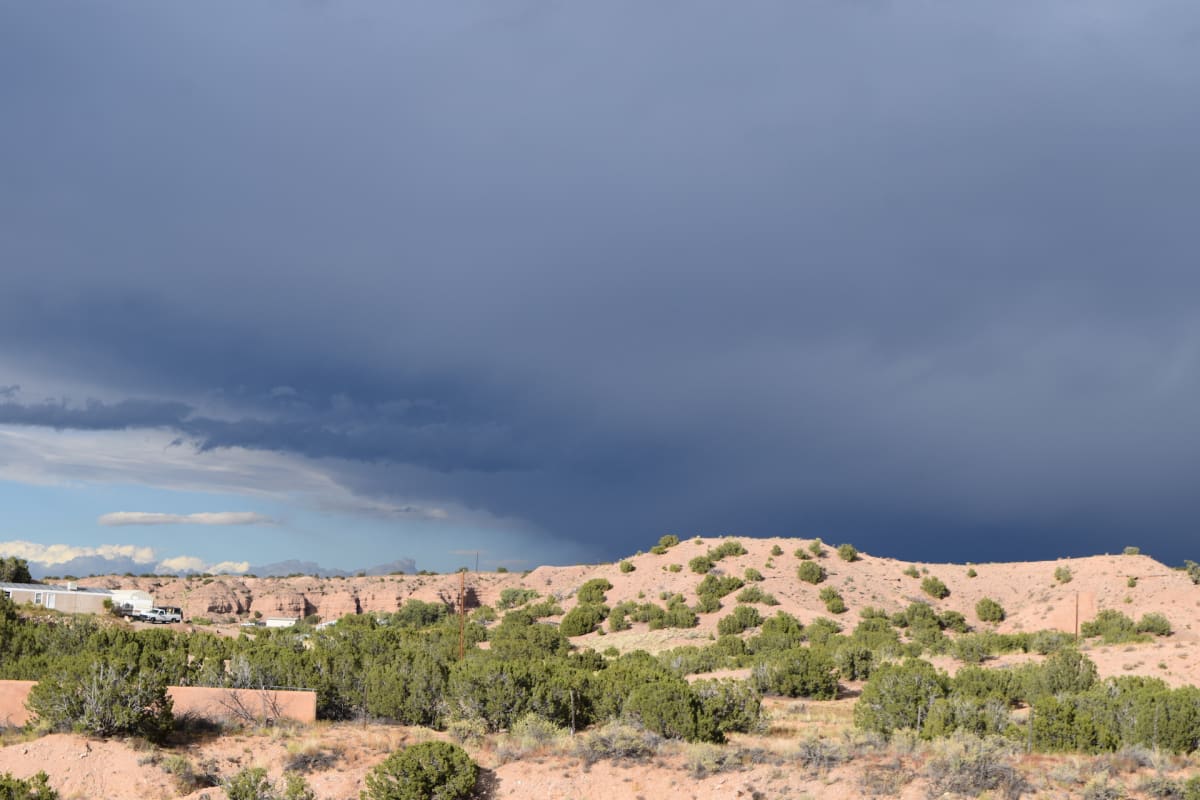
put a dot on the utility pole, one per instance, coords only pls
(462, 613)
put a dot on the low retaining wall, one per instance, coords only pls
(218, 705)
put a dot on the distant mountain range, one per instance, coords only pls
(294, 567)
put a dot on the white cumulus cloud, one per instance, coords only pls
(62, 553)
(204, 518)
(193, 564)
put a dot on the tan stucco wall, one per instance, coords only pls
(12, 702)
(199, 701)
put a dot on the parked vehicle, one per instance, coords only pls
(162, 615)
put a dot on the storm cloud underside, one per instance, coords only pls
(920, 276)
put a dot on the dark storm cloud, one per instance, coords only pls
(922, 275)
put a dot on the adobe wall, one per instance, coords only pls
(231, 705)
(234, 705)
(13, 713)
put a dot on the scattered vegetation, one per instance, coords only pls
(1063, 574)
(665, 543)
(847, 552)
(35, 788)
(627, 566)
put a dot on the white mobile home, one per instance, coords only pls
(70, 598)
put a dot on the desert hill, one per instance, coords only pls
(1030, 593)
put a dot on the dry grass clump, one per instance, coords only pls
(617, 741)
(819, 755)
(702, 760)
(311, 755)
(530, 735)
(885, 778)
(187, 777)
(969, 765)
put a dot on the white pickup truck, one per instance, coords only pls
(162, 615)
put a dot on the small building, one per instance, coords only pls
(71, 599)
(281, 622)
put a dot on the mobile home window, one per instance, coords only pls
(37, 598)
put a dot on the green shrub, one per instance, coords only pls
(754, 594)
(1113, 626)
(934, 588)
(799, 672)
(708, 603)
(833, 601)
(666, 707)
(627, 566)
(424, 771)
(802, 554)
(810, 572)
(729, 547)
(511, 598)
(776, 550)
(35, 788)
(593, 591)
(1193, 570)
(727, 706)
(582, 619)
(675, 568)
(1132, 551)
(971, 573)
(1063, 574)
(250, 783)
(1153, 623)
(912, 572)
(700, 565)
(854, 662)
(546, 608)
(898, 696)
(847, 552)
(988, 610)
(954, 621)
(743, 618)
(1131, 582)
(752, 575)
(668, 541)
(817, 548)
(719, 585)
(104, 699)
